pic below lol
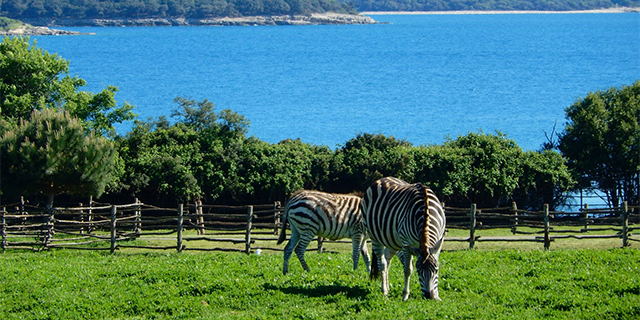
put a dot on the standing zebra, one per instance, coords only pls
(328, 215)
(409, 220)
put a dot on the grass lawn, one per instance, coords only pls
(475, 284)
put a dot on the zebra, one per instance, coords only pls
(327, 215)
(409, 220)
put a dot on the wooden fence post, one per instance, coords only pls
(249, 225)
(276, 218)
(514, 209)
(82, 228)
(137, 226)
(113, 228)
(4, 229)
(586, 217)
(180, 226)
(48, 233)
(547, 239)
(200, 217)
(472, 226)
(625, 225)
(89, 218)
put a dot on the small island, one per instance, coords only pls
(11, 27)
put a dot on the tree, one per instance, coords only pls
(545, 179)
(495, 167)
(32, 79)
(51, 153)
(446, 170)
(161, 162)
(368, 157)
(601, 139)
(196, 157)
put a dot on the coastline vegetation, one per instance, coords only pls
(7, 24)
(29, 10)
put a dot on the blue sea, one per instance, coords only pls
(421, 78)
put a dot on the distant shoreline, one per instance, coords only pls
(605, 10)
(296, 20)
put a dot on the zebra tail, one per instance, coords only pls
(375, 271)
(283, 230)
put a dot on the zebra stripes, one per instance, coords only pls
(327, 215)
(406, 219)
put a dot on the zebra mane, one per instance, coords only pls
(424, 233)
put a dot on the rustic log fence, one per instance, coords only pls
(93, 226)
(544, 226)
(90, 227)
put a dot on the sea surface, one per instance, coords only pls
(421, 78)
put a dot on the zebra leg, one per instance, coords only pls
(365, 255)
(385, 263)
(407, 262)
(356, 243)
(293, 242)
(302, 247)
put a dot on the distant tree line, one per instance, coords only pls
(29, 10)
(136, 9)
(57, 139)
(484, 5)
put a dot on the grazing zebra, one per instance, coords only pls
(409, 220)
(327, 215)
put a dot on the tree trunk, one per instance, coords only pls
(49, 204)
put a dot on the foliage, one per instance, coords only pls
(601, 140)
(368, 157)
(495, 167)
(481, 5)
(566, 284)
(445, 170)
(51, 153)
(491, 170)
(274, 171)
(136, 9)
(7, 24)
(183, 161)
(545, 179)
(31, 78)
(191, 159)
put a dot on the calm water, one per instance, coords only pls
(421, 77)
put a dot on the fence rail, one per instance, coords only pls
(92, 227)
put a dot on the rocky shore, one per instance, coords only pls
(312, 19)
(29, 30)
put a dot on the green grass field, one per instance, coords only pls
(476, 284)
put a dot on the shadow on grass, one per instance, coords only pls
(321, 291)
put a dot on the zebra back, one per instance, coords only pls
(338, 215)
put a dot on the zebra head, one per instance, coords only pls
(428, 269)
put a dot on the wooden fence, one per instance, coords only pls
(545, 226)
(90, 227)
